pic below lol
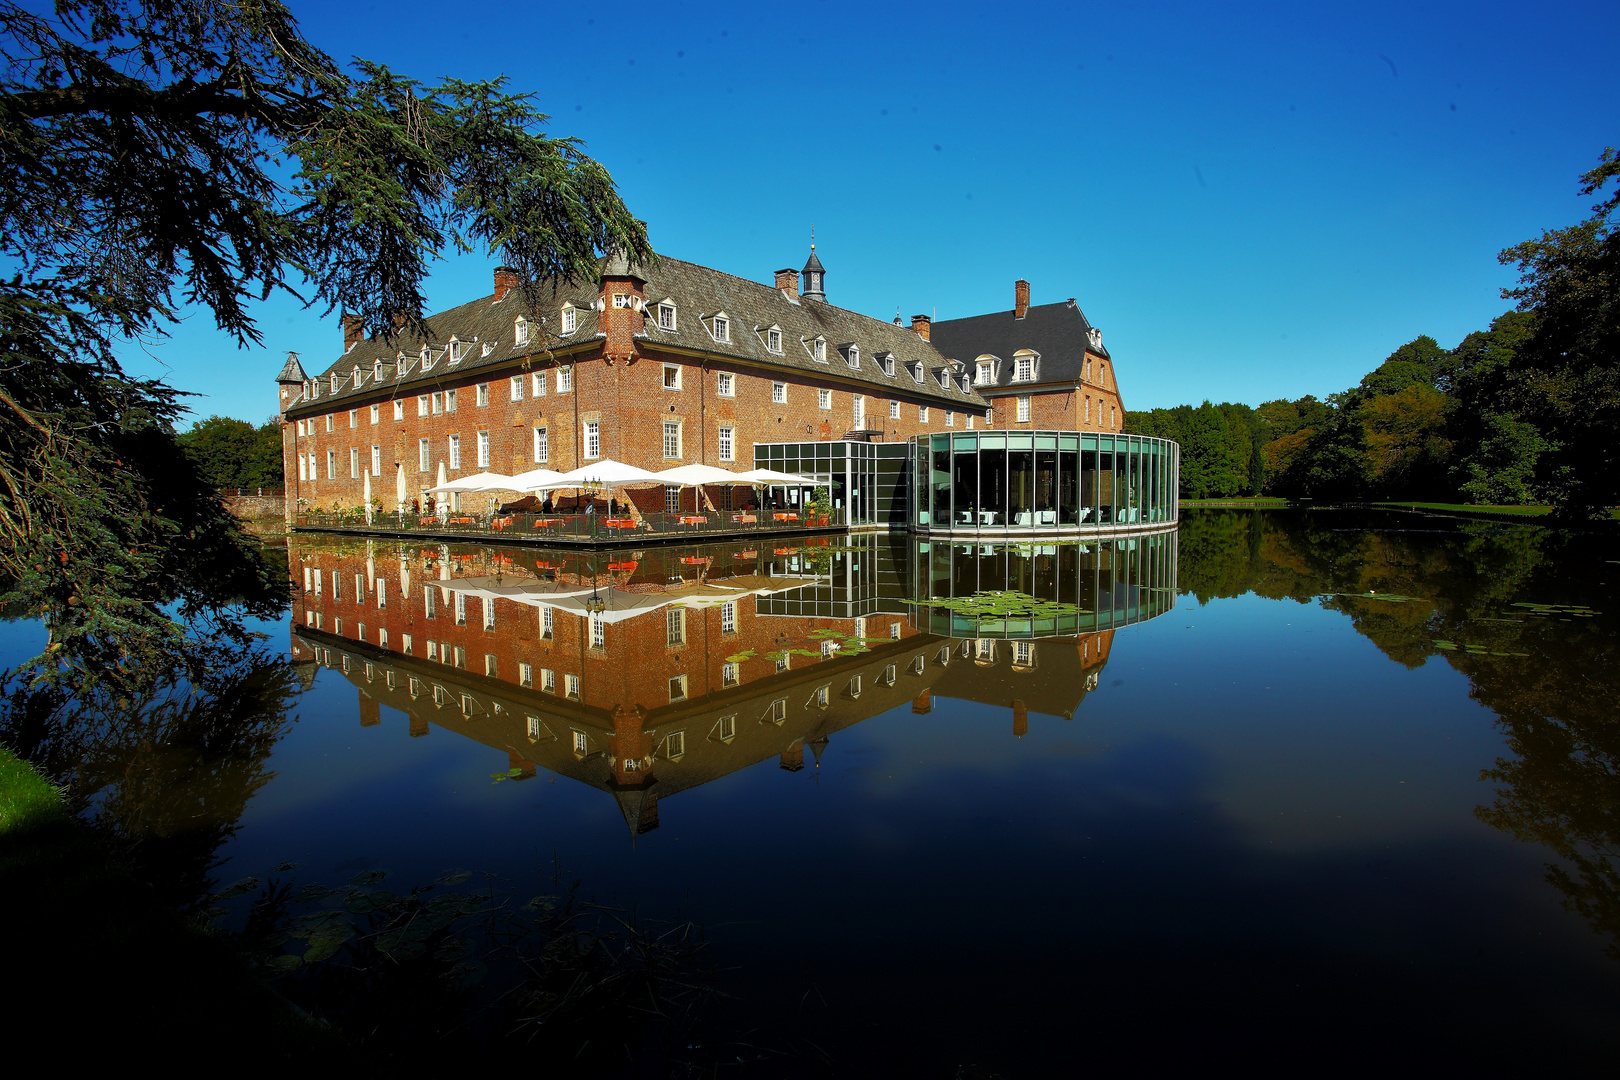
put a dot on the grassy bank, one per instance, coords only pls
(1246, 502)
(94, 956)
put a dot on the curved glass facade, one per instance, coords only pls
(1042, 480)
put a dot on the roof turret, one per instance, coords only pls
(292, 371)
(814, 277)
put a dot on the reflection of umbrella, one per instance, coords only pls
(399, 485)
(368, 496)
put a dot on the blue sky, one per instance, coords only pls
(1251, 201)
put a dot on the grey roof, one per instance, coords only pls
(698, 292)
(1059, 333)
(292, 370)
(813, 263)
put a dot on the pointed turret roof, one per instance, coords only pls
(292, 371)
(813, 263)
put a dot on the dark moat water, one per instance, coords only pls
(1313, 789)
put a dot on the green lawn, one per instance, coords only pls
(1238, 500)
(27, 799)
(1523, 511)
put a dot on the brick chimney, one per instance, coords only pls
(1020, 298)
(354, 331)
(506, 280)
(793, 758)
(788, 281)
(923, 325)
(1020, 719)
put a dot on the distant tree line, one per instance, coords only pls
(235, 454)
(1524, 411)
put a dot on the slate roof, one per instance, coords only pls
(699, 293)
(292, 371)
(1059, 333)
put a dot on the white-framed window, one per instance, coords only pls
(422, 453)
(675, 626)
(582, 744)
(819, 350)
(1088, 408)
(354, 463)
(334, 384)
(726, 728)
(779, 393)
(672, 438)
(571, 687)
(728, 617)
(421, 405)
(548, 621)
(783, 663)
(886, 362)
(666, 316)
(520, 331)
(944, 378)
(853, 356)
(672, 376)
(726, 384)
(303, 467)
(824, 399)
(621, 300)
(730, 674)
(354, 415)
(526, 678)
(598, 632)
(922, 414)
(1113, 416)
(516, 388)
(778, 712)
(570, 319)
(427, 359)
(987, 371)
(399, 408)
(483, 449)
(1023, 408)
(917, 372)
(537, 384)
(329, 419)
(593, 439)
(565, 379)
(722, 328)
(677, 688)
(858, 411)
(672, 499)
(489, 665)
(482, 394)
(454, 350)
(461, 609)
(331, 464)
(376, 460)
(675, 744)
(542, 446)
(988, 416)
(438, 403)
(455, 451)
(969, 417)
(1023, 369)
(829, 648)
(727, 441)
(449, 401)
(548, 680)
(773, 341)
(894, 410)
(376, 414)
(950, 418)
(1023, 653)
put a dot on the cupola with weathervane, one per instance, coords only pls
(814, 275)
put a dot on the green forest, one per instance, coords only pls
(1519, 412)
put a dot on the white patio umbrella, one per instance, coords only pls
(444, 478)
(534, 479)
(698, 475)
(399, 486)
(607, 472)
(368, 496)
(484, 481)
(771, 476)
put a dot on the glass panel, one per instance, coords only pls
(1088, 486)
(1045, 442)
(965, 443)
(942, 483)
(1069, 442)
(1068, 487)
(1105, 481)
(1046, 482)
(992, 442)
(1020, 442)
(992, 487)
(1020, 486)
(965, 480)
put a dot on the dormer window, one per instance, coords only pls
(852, 353)
(917, 372)
(722, 328)
(455, 352)
(773, 340)
(376, 370)
(987, 372)
(944, 379)
(621, 300)
(427, 359)
(356, 376)
(402, 366)
(489, 347)
(1024, 368)
(964, 382)
(886, 362)
(334, 384)
(570, 319)
(818, 349)
(520, 331)
(666, 317)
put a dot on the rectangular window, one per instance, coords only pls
(354, 463)
(922, 414)
(1026, 369)
(433, 649)
(570, 320)
(672, 376)
(481, 394)
(526, 677)
(677, 688)
(778, 710)
(969, 417)
(593, 439)
(542, 446)
(779, 393)
(399, 408)
(547, 621)
(1023, 408)
(422, 455)
(376, 414)
(489, 665)
(730, 674)
(722, 328)
(461, 609)
(581, 743)
(303, 468)
(672, 439)
(421, 405)
(489, 613)
(571, 686)
(328, 421)
(672, 499)
(438, 403)
(461, 657)
(824, 399)
(565, 379)
(517, 387)
(894, 410)
(382, 642)
(726, 445)
(376, 460)
(675, 745)
(331, 464)
(520, 331)
(537, 384)
(727, 727)
(598, 632)
(666, 317)
(382, 592)
(950, 418)
(483, 449)
(353, 417)
(534, 722)
(728, 617)
(430, 600)
(449, 401)
(455, 451)
(674, 625)
(727, 384)
(858, 411)
(773, 341)
(821, 351)
(548, 680)
(621, 300)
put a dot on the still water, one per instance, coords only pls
(1322, 788)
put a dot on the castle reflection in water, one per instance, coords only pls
(647, 673)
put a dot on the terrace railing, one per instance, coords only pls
(577, 527)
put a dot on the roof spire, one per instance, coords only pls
(814, 273)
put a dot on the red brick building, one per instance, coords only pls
(669, 365)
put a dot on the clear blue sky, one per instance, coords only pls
(1251, 202)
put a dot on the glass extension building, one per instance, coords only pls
(1043, 481)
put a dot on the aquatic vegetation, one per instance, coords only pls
(1388, 598)
(1473, 650)
(1579, 611)
(998, 605)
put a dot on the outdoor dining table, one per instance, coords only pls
(619, 523)
(783, 515)
(744, 519)
(694, 519)
(541, 523)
